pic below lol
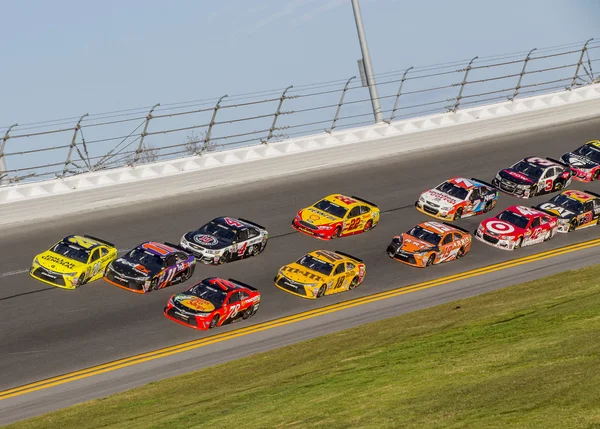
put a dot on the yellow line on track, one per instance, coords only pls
(202, 342)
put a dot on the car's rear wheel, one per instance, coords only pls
(336, 232)
(185, 276)
(458, 214)
(533, 192)
(321, 291)
(430, 260)
(461, 253)
(353, 283)
(248, 313)
(596, 175)
(368, 225)
(225, 257)
(214, 322)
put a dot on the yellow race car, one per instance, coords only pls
(320, 273)
(336, 216)
(73, 261)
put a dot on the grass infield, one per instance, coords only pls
(527, 356)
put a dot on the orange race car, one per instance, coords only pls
(337, 216)
(430, 243)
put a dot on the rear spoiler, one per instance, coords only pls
(364, 201)
(252, 223)
(348, 255)
(559, 162)
(178, 247)
(247, 286)
(483, 182)
(99, 240)
(591, 193)
(457, 227)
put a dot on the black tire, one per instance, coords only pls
(487, 207)
(458, 214)
(353, 283)
(321, 291)
(263, 246)
(187, 274)
(225, 258)
(534, 191)
(214, 322)
(368, 225)
(336, 232)
(248, 313)
(519, 243)
(596, 175)
(461, 253)
(558, 185)
(430, 260)
(254, 250)
(548, 236)
(573, 224)
(81, 280)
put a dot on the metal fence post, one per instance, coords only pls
(579, 63)
(138, 151)
(3, 173)
(462, 85)
(68, 161)
(527, 58)
(277, 113)
(389, 121)
(212, 123)
(339, 107)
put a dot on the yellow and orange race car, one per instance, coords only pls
(430, 243)
(337, 216)
(321, 273)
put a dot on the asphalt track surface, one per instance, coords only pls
(46, 331)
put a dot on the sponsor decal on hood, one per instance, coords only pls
(497, 227)
(195, 303)
(437, 197)
(58, 263)
(205, 240)
(300, 274)
(413, 244)
(516, 175)
(317, 217)
(556, 210)
(578, 161)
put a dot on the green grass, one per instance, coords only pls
(522, 357)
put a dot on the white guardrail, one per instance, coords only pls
(399, 132)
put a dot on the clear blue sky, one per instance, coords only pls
(64, 58)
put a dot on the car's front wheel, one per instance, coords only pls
(336, 232)
(430, 260)
(321, 291)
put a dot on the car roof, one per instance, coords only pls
(151, 246)
(78, 239)
(342, 200)
(224, 284)
(231, 222)
(528, 212)
(438, 227)
(464, 183)
(595, 143)
(580, 196)
(328, 256)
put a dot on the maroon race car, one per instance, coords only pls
(213, 302)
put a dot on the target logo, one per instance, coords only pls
(207, 240)
(500, 227)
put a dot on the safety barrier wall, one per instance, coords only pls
(367, 137)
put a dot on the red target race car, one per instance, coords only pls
(517, 226)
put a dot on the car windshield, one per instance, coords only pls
(145, 258)
(514, 219)
(329, 207)
(315, 264)
(209, 293)
(528, 169)
(423, 234)
(72, 251)
(219, 231)
(453, 190)
(567, 203)
(588, 152)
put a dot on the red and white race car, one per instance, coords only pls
(517, 226)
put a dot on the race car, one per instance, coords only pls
(337, 216)
(225, 239)
(517, 226)
(533, 176)
(213, 302)
(430, 243)
(151, 266)
(458, 198)
(73, 261)
(584, 161)
(574, 209)
(320, 273)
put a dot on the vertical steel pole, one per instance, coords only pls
(339, 107)
(3, 173)
(521, 75)
(462, 85)
(68, 161)
(389, 121)
(212, 123)
(277, 113)
(362, 38)
(139, 150)
(579, 63)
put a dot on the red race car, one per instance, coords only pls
(213, 302)
(517, 226)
